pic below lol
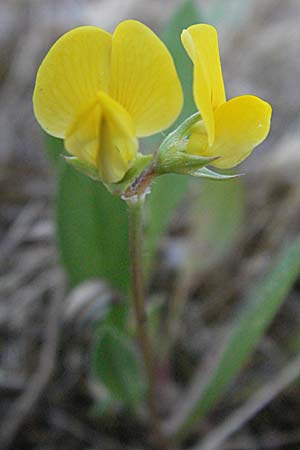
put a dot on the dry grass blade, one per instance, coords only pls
(26, 402)
(270, 441)
(20, 228)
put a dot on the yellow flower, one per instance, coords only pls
(100, 91)
(230, 129)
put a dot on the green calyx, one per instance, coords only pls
(141, 163)
(83, 167)
(172, 156)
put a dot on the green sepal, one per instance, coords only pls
(172, 156)
(181, 162)
(173, 140)
(83, 167)
(116, 364)
(140, 164)
(211, 175)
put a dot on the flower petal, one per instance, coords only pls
(201, 44)
(143, 78)
(82, 139)
(241, 124)
(198, 141)
(119, 145)
(74, 69)
(103, 135)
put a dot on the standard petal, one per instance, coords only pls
(74, 69)
(242, 123)
(201, 44)
(143, 78)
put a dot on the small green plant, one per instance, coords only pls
(99, 93)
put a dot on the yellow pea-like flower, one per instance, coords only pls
(229, 130)
(100, 92)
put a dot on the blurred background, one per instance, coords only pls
(47, 392)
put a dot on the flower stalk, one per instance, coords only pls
(149, 359)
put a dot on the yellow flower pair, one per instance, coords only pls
(100, 92)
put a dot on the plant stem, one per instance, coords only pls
(136, 245)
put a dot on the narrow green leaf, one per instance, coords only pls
(252, 321)
(116, 318)
(187, 14)
(220, 206)
(92, 230)
(169, 190)
(105, 405)
(116, 365)
(54, 148)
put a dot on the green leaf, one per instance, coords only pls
(251, 323)
(117, 318)
(168, 191)
(115, 364)
(54, 148)
(105, 405)
(92, 230)
(166, 194)
(187, 14)
(220, 206)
